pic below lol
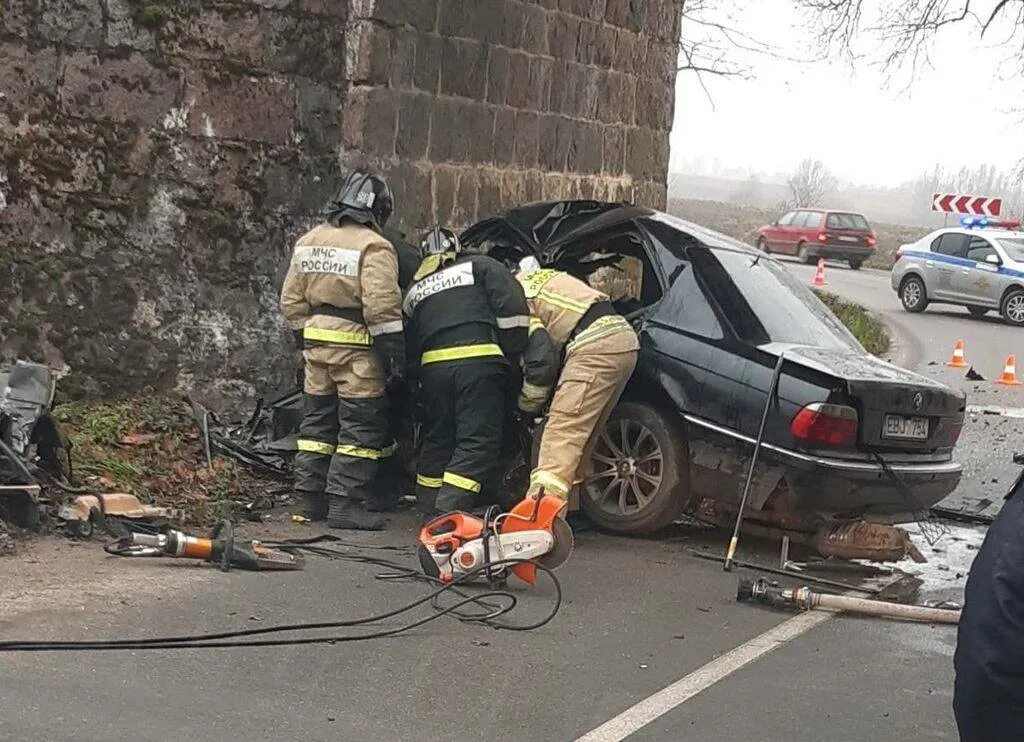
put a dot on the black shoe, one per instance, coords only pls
(352, 515)
(313, 505)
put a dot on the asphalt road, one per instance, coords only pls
(649, 642)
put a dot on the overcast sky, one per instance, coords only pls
(956, 113)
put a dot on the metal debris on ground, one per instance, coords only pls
(265, 443)
(85, 511)
(33, 450)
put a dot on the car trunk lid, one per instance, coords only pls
(893, 403)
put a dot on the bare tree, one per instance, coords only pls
(810, 183)
(714, 42)
(905, 29)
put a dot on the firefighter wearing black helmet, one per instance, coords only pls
(342, 298)
(467, 321)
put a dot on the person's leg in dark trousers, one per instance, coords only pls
(438, 438)
(479, 414)
(364, 438)
(318, 435)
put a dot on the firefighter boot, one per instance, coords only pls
(313, 505)
(349, 514)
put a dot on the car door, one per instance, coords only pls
(811, 226)
(775, 235)
(977, 282)
(942, 268)
(791, 237)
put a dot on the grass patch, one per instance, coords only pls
(870, 332)
(152, 449)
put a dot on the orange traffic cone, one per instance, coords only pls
(1009, 377)
(819, 275)
(958, 361)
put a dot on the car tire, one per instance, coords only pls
(856, 264)
(1012, 307)
(977, 311)
(762, 245)
(639, 451)
(912, 295)
(803, 254)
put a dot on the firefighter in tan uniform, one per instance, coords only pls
(600, 350)
(341, 297)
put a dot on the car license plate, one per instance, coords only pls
(848, 238)
(906, 427)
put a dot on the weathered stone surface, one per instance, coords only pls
(414, 126)
(245, 109)
(182, 147)
(27, 79)
(72, 22)
(463, 68)
(125, 89)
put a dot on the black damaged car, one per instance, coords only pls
(848, 436)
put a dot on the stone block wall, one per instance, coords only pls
(159, 157)
(156, 161)
(483, 104)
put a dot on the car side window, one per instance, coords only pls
(812, 219)
(798, 218)
(787, 220)
(978, 249)
(688, 306)
(952, 244)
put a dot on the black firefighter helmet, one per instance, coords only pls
(438, 241)
(363, 198)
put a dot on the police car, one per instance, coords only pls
(978, 265)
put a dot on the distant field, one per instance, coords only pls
(742, 223)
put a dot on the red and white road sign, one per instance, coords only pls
(954, 203)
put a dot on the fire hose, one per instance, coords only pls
(803, 597)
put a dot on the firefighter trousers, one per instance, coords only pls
(589, 387)
(465, 408)
(345, 430)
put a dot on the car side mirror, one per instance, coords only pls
(993, 259)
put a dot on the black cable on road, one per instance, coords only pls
(228, 639)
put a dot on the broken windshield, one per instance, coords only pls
(765, 304)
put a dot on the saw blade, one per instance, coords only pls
(562, 548)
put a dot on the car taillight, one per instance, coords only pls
(822, 236)
(896, 257)
(826, 424)
(872, 241)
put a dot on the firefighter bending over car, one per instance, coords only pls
(467, 324)
(600, 351)
(341, 297)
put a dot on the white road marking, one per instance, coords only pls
(643, 713)
(974, 409)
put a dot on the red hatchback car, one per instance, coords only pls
(820, 233)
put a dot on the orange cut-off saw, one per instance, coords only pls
(533, 532)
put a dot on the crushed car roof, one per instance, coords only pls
(542, 227)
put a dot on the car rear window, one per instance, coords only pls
(837, 220)
(1014, 247)
(765, 304)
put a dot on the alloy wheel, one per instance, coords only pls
(912, 293)
(628, 468)
(1015, 308)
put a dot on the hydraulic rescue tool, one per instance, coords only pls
(219, 548)
(455, 544)
(771, 594)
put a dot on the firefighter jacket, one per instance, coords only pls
(565, 314)
(540, 368)
(342, 290)
(465, 306)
